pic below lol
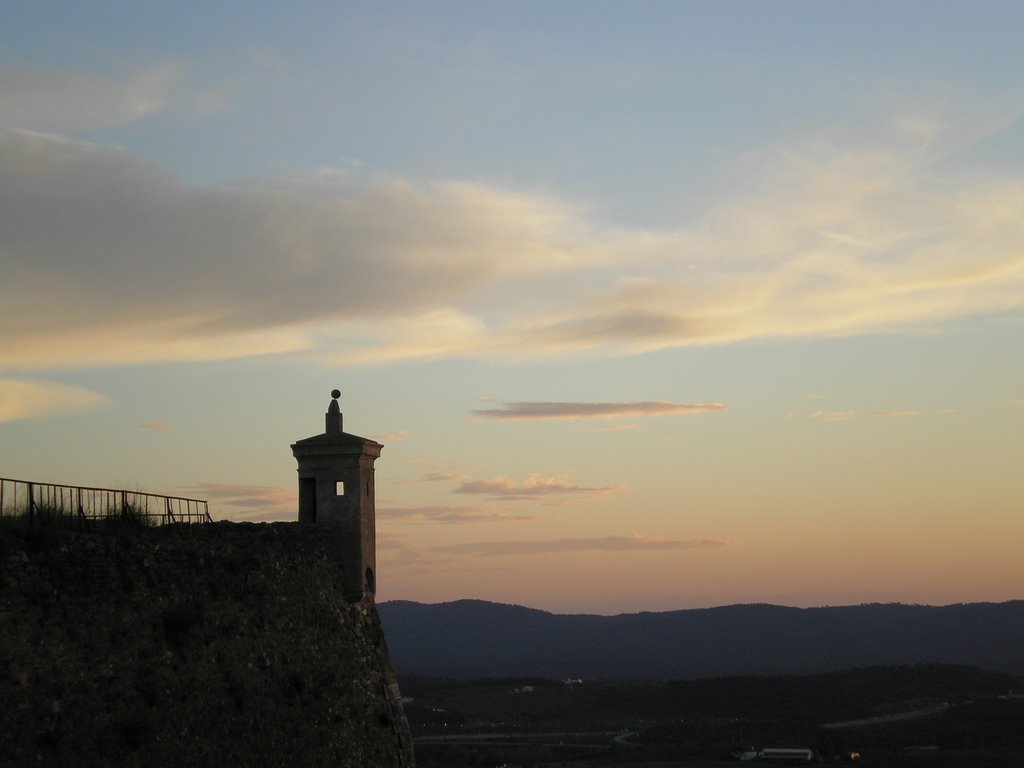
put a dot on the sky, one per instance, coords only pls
(652, 306)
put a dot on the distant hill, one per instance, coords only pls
(473, 638)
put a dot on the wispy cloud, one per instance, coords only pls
(395, 543)
(572, 411)
(830, 242)
(847, 415)
(69, 101)
(832, 415)
(606, 544)
(25, 399)
(439, 477)
(449, 515)
(552, 490)
(257, 502)
(286, 264)
(156, 425)
(392, 437)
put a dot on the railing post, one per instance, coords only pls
(81, 512)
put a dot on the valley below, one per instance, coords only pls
(927, 715)
(490, 685)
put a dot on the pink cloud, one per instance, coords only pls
(534, 487)
(631, 543)
(524, 411)
(392, 437)
(260, 502)
(448, 515)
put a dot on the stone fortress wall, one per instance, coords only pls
(232, 645)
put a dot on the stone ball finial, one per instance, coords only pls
(334, 407)
(334, 413)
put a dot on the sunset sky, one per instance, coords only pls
(653, 306)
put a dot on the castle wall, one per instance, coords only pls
(233, 646)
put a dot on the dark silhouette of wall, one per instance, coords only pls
(231, 646)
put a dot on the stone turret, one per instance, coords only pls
(336, 491)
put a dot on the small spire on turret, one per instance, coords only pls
(333, 416)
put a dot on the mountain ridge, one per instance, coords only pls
(476, 638)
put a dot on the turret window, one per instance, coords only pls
(339, 488)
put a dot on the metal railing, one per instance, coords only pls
(50, 503)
